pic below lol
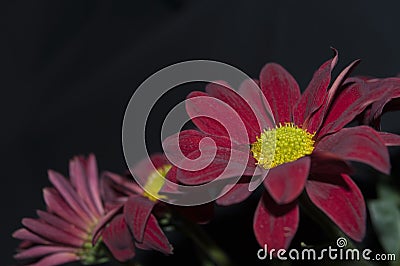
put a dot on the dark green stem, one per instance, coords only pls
(202, 240)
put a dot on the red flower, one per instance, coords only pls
(308, 150)
(64, 232)
(134, 224)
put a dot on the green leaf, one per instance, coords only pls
(385, 217)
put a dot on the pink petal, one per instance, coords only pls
(314, 95)
(315, 119)
(39, 251)
(286, 182)
(24, 234)
(56, 259)
(238, 193)
(62, 224)
(155, 238)
(93, 182)
(341, 200)
(275, 225)
(51, 233)
(57, 204)
(281, 91)
(215, 117)
(240, 105)
(137, 211)
(389, 139)
(361, 144)
(70, 196)
(118, 239)
(124, 185)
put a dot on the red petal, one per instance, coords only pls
(351, 102)
(137, 211)
(155, 238)
(315, 120)
(103, 222)
(389, 139)
(39, 251)
(314, 95)
(214, 116)
(118, 239)
(240, 105)
(361, 144)
(250, 90)
(275, 225)
(341, 200)
(147, 166)
(325, 162)
(51, 233)
(286, 182)
(56, 259)
(281, 90)
(238, 193)
(225, 163)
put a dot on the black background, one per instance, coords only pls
(69, 69)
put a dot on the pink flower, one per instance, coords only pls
(64, 232)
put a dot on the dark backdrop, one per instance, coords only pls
(69, 69)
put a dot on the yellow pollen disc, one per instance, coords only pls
(154, 183)
(283, 144)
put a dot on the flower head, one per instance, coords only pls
(308, 151)
(64, 232)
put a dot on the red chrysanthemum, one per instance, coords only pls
(64, 232)
(311, 147)
(134, 224)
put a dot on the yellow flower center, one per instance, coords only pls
(283, 144)
(154, 183)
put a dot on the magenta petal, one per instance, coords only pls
(281, 90)
(390, 139)
(24, 234)
(118, 239)
(215, 117)
(316, 91)
(286, 182)
(61, 224)
(70, 195)
(341, 200)
(240, 105)
(137, 211)
(361, 144)
(56, 259)
(155, 238)
(39, 251)
(275, 225)
(51, 233)
(124, 185)
(56, 204)
(238, 193)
